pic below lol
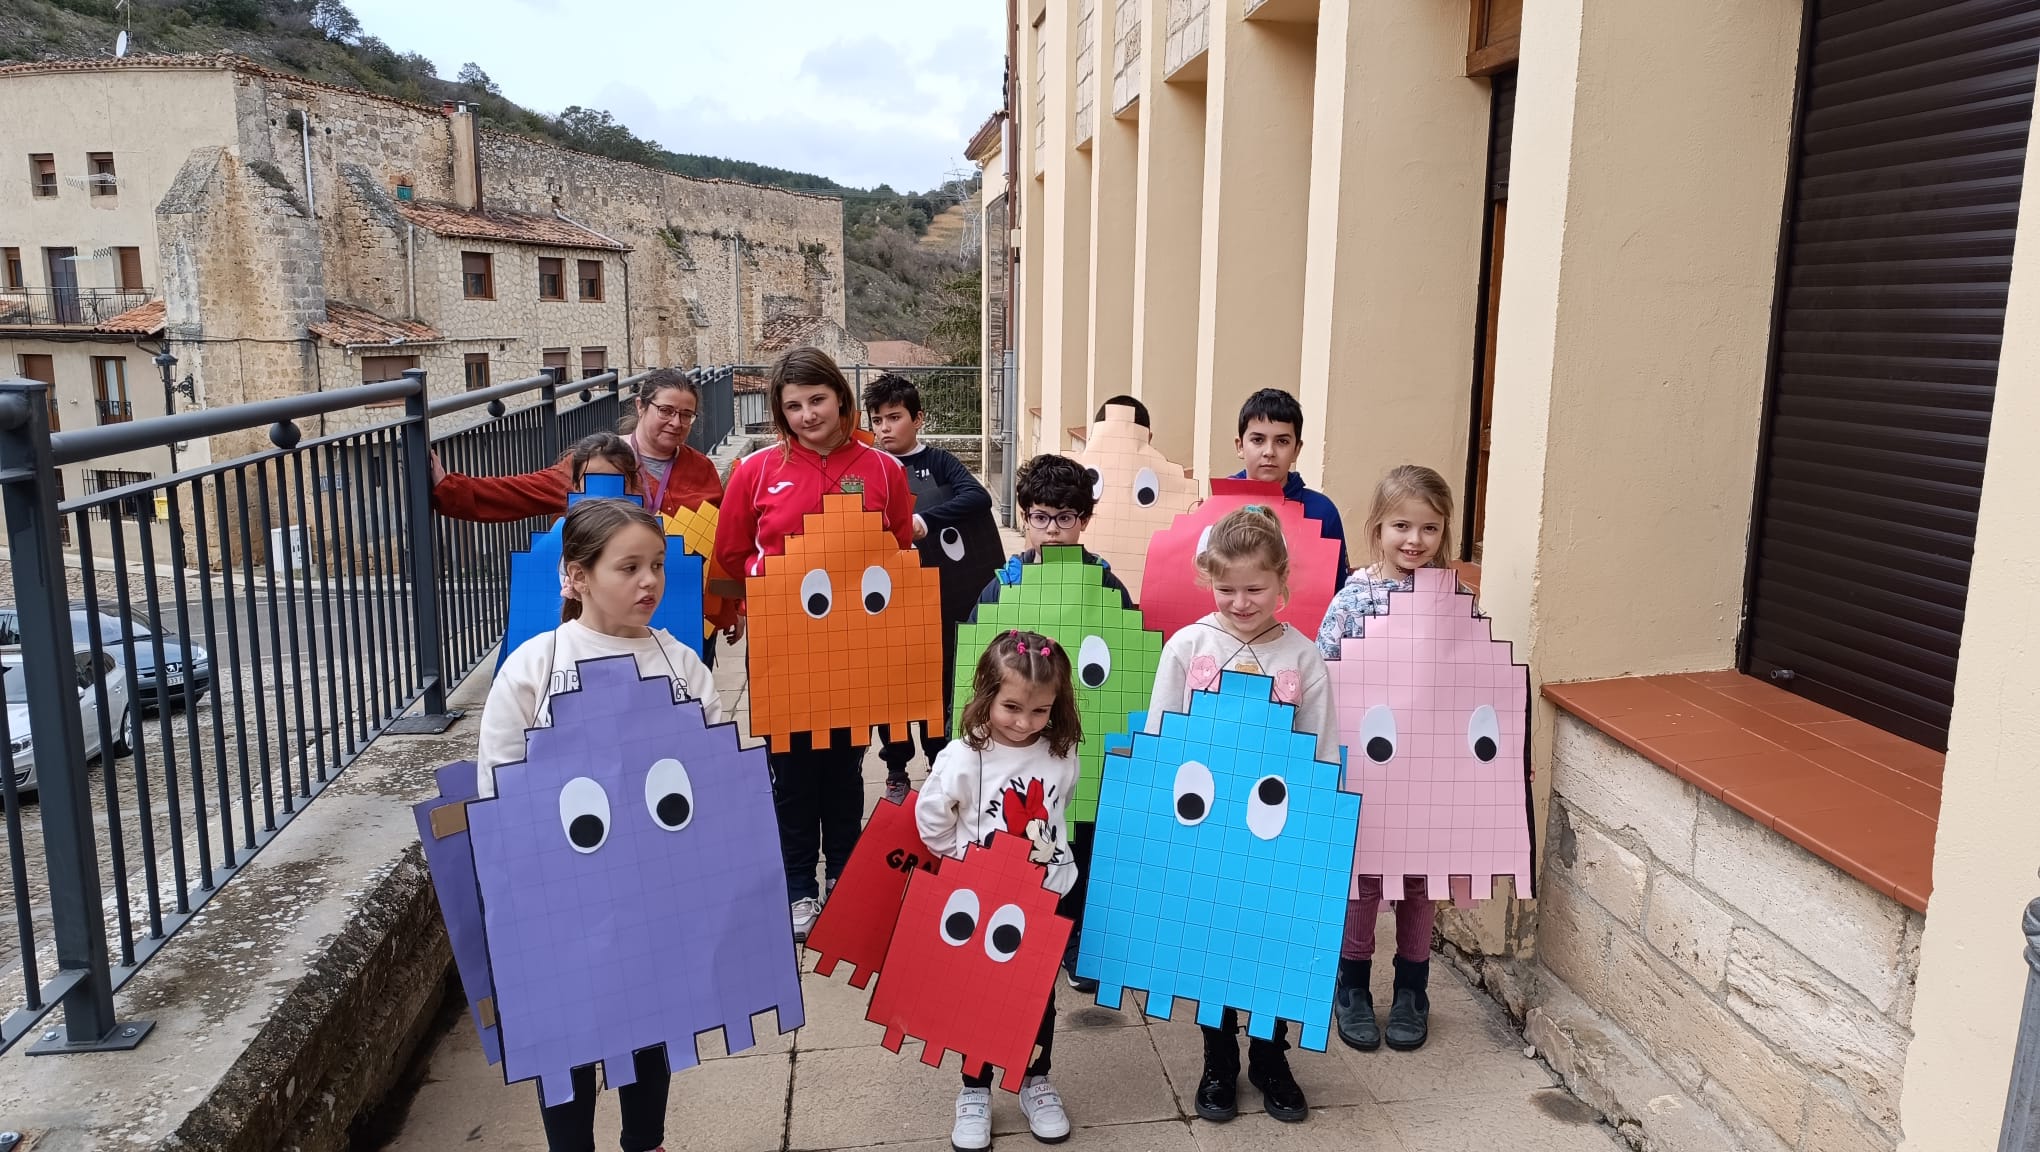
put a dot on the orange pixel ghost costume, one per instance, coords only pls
(846, 631)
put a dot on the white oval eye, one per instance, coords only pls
(1204, 539)
(1377, 734)
(1097, 484)
(584, 814)
(669, 795)
(1484, 733)
(1147, 488)
(1094, 661)
(1008, 926)
(1268, 807)
(952, 544)
(816, 593)
(877, 589)
(1193, 793)
(959, 917)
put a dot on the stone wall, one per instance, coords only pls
(1769, 986)
(1085, 121)
(1126, 57)
(1189, 33)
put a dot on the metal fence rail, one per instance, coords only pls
(217, 644)
(2021, 1131)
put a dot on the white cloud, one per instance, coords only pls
(862, 91)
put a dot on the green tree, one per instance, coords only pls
(958, 328)
(472, 76)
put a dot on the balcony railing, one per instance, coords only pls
(114, 411)
(67, 307)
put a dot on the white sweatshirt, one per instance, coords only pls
(970, 794)
(544, 665)
(1194, 657)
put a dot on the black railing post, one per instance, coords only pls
(549, 412)
(417, 465)
(70, 843)
(2021, 1131)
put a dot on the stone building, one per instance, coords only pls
(288, 236)
(1718, 321)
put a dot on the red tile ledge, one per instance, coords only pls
(1851, 794)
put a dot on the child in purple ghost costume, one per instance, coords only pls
(630, 885)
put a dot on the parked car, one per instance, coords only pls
(21, 741)
(181, 661)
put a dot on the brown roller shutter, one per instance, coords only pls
(1904, 199)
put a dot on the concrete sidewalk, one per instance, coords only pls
(1128, 1082)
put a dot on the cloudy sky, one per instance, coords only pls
(862, 91)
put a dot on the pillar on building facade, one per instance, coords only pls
(1115, 154)
(1168, 222)
(1065, 190)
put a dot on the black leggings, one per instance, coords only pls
(819, 797)
(570, 1127)
(1044, 1039)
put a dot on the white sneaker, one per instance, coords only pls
(1044, 1110)
(805, 912)
(973, 1129)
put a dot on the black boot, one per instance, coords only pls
(1218, 1088)
(1409, 1018)
(1268, 1070)
(1353, 1006)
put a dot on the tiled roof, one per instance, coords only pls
(511, 227)
(900, 354)
(142, 320)
(346, 324)
(791, 332)
(747, 382)
(987, 139)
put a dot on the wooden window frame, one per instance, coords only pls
(488, 275)
(93, 170)
(582, 280)
(13, 273)
(1492, 45)
(38, 189)
(600, 355)
(111, 409)
(121, 257)
(469, 364)
(559, 276)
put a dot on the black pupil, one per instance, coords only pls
(1144, 496)
(1190, 806)
(585, 831)
(958, 926)
(1006, 938)
(1484, 748)
(1272, 792)
(1094, 675)
(817, 604)
(674, 809)
(1379, 749)
(874, 602)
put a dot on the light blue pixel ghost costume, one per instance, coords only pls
(535, 579)
(1219, 874)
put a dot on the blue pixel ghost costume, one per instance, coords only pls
(1219, 873)
(535, 579)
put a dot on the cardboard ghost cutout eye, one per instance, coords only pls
(959, 917)
(584, 814)
(1147, 487)
(1193, 793)
(669, 795)
(1097, 484)
(816, 594)
(952, 544)
(1268, 807)
(1484, 733)
(1094, 661)
(1008, 926)
(877, 589)
(1377, 734)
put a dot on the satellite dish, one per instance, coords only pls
(120, 45)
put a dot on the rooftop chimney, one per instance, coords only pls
(467, 159)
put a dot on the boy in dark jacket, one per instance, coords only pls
(1271, 435)
(953, 529)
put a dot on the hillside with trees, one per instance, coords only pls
(899, 288)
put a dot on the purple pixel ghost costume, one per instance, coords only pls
(631, 888)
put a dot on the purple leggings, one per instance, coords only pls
(1415, 913)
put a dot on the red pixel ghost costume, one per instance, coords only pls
(857, 923)
(973, 960)
(1434, 712)
(1173, 599)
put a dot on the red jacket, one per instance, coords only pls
(773, 488)
(692, 482)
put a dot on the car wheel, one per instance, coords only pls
(123, 744)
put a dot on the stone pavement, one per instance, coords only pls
(1128, 1081)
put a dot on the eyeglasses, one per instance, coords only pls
(1063, 520)
(669, 412)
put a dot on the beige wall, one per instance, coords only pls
(75, 395)
(1972, 974)
(1066, 238)
(1392, 265)
(1168, 239)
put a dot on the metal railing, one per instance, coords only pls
(717, 417)
(74, 307)
(263, 624)
(114, 411)
(2021, 1131)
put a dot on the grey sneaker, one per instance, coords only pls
(805, 912)
(973, 1130)
(1043, 1108)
